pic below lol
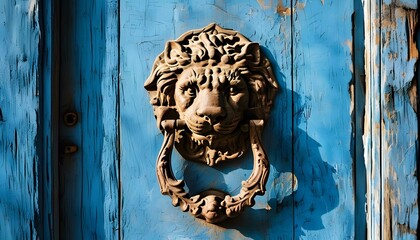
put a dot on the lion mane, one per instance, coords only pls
(211, 46)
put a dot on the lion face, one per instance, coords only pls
(211, 100)
(216, 80)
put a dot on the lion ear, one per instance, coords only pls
(252, 53)
(172, 52)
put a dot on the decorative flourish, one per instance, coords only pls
(211, 90)
(212, 205)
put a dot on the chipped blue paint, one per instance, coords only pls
(391, 126)
(19, 104)
(303, 139)
(144, 30)
(108, 189)
(322, 73)
(399, 134)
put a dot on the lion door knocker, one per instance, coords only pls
(211, 90)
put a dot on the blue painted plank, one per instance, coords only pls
(399, 150)
(323, 163)
(145, 27)
(19, 129)
(358, 114)
(372, 126)
(48, 181)
(89, 203)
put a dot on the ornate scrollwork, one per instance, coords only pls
(211, 90)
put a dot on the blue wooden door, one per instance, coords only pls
(341, 138)
(310, 137)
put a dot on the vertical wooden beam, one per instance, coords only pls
(358, 112)
(19, 119)
(391, 124)
(322, 111)
(110, 87)
(373, 120)
(399, 133)
(48, 146)
(89, 84)
(55, 117)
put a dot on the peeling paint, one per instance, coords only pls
(398, 134)
(283, 186)
(19, 120)
(349, 44)
(300, 5)
(351, 92)
(283, 11)
(265, 5)
(32, 5)
(404, 228)
(412, 94)
(412, 19)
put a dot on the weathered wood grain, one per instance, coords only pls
(108, 189)
(399, 125)
(371, 137)
(323, 163)
(47, 147)
(391, 125)
(19, 125)
(89, 203)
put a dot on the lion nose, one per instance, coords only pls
(212, 114)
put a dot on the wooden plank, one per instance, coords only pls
(391, 126)
(358, 113)
(89, 86)
(48, 179)
(146, 213)
(19, 113)
(399, 135)
(372, 126)
(323, 162)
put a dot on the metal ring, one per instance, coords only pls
(212, 205)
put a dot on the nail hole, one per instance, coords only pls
(70, 119)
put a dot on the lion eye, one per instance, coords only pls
(233, 90)
(190, 91)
